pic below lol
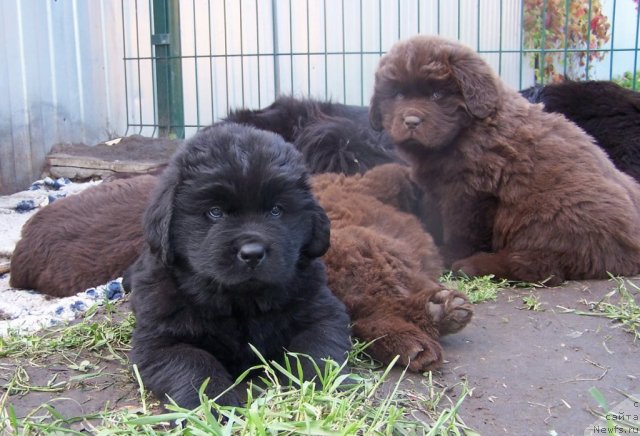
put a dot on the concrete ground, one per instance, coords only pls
(531, 371)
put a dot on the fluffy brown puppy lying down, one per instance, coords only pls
(381, 263)
(82, 240)
(523, 194)
(385, 267)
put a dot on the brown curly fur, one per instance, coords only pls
(82, 240)
(381, 263)
(523, 194)
(385, 267)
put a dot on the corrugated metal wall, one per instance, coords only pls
(61, 80)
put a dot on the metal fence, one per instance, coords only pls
(76, 71)
(245, 53)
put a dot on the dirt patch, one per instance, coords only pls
(530, 371)
(108, 385)
(76, 381)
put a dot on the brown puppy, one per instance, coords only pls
(83, 240)
(523, 194)
(385, 267)
(381, 263)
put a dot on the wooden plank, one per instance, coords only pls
(124, 166)
(5, 267)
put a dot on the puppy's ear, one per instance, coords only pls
(477, 83)
(375, 115)
(320, 234)
(157, 217)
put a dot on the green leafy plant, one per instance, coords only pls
(626, 80)
(478, 289)
(561, 32)
(532, 302)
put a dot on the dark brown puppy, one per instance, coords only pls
(83, 240)
(523, 194)
(332, 137)
(385, 267)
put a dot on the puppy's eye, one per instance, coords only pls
(215, 212)
(436, 95)
(276, 210)
(399, 95)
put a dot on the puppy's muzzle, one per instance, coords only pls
(252, 254)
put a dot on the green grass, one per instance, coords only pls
(363, 400)
(477, 289)
(620, 305)
(532, 302)
(280, 403)
(90, 334)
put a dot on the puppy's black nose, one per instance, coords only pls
(252, 254)
(411, 121)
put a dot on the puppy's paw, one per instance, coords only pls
(422, 354)
(450, 311)
(417, 350)
(466, 267)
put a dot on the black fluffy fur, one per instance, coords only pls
(332, 137)
(605, 110)
(198, 304)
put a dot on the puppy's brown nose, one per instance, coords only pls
(252, 254)
(411, 121)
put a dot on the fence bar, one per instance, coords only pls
(613, 34)
(635, 53)
(276, 47)
(567, 9)
(241, 55)
(588, 39)
(126, 80)
(195, 61)
(211, 87)
(543, 44)
(166, 40)
(500, 52)
(326, 63)
(521, 45)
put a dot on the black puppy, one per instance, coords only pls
(332, 137)
(233, 238)
(605, 110)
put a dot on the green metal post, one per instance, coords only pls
(168, 67)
